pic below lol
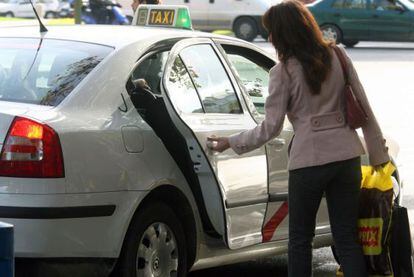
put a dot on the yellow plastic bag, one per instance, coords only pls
(374, 224)
(380, 179)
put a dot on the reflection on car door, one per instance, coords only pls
(252, 69)
(204, 102)
(389, 21)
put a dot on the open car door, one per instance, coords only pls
(202, 100)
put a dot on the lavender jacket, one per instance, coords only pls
(321, 133)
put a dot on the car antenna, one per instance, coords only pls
(43, 29)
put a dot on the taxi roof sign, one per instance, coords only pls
(174, 16)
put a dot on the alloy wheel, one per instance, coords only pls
(157, 252)
(329, 33)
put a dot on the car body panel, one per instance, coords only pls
(227, 165)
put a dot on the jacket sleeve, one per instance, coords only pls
(375, 142)
(275, 111)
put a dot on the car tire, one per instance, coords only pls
(332, 33)
(246, 28)
(9, 14)
(350, 43)
(50, 15)
(154, 245)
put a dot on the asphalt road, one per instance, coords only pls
(387, 73)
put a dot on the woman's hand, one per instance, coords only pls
(218, 144)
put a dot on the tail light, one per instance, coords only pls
(31, 149)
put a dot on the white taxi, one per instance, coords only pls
(103, 149)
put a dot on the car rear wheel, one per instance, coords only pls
(350, 43)
(246, 28)
(154, 245)
(9, 14)
(332, 33)
(50, 15)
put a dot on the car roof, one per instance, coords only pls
(111, 35)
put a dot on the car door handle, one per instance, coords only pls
(375, 16)
(337, 14)
(278, 142)
(197, 166)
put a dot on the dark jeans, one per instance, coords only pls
(340, 182)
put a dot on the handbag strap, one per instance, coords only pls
(343, 63)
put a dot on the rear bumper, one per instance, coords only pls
(89, 225)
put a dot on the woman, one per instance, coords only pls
(308, 86)
(136, 3)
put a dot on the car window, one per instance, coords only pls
(151, 70)
(255, 79)
(385, 5)
(45, 73)
(338, 4)
(355, 4)
(210, 79)
(252, 69)
(181, 89)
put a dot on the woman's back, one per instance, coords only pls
(321, 132)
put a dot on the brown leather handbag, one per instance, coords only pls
(355, 114)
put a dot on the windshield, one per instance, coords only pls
(45, 74)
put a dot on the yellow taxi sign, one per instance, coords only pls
(174, 16)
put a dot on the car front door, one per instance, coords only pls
(203, 101)
(251, 67)
(390, 21)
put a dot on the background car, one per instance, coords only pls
(351, 21)
(23, 8)
(16, 8)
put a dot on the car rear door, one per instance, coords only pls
(353, 16)
(202, 101)
(251, 66)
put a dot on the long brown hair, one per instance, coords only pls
(295, 33)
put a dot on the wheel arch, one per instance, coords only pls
(176, 199)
